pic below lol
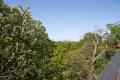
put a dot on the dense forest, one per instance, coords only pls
(27, 52)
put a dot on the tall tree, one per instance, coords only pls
(24, 44)
(94, 47)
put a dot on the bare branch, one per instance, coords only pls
(101, 53)
(4, 76)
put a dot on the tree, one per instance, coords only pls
(24, 44)
(114, 33)
(58, 64)
(94, 47)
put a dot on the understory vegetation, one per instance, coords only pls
(27, 52)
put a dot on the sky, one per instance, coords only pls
(71, 19)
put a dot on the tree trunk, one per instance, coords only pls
(90, 71)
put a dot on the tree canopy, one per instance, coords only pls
(27, 52)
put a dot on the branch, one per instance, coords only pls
(95, 47)
(101, 53)
(96, 40)
(3, 76)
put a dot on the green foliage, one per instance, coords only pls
(63, 64)
(114, 32)
(27, 53)
(24, 44)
